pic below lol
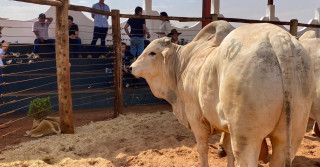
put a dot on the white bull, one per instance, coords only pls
(312, 45)
(258, 81)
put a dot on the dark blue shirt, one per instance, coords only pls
(136, 27)
(127, 59)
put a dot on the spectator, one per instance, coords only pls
(40, 29)
(147, 37)
(165, 26)
(74, 35)
(100, 27)
(3, 49)
(138, 31)
(174, 34)
(127, 59)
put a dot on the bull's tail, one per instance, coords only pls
(285, 53)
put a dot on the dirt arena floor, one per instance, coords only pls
(144, 136)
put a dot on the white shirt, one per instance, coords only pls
(101, 20)
(166, 28)
(42, 29)
(1, 53)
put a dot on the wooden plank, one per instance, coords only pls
(118, 91)
(182, 19)
(309, 25)
(63, 68)
(294, 27)
(43, 2)
(90, 10)
(253, 21)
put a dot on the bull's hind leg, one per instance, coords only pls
(278, 150)
(226, 141)
(246, 149)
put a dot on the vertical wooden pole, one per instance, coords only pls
(63, 68)
(294, 27)
(118, 91)
(206, 10)
(214, 17)
(270, 2)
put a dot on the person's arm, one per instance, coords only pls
(76, 34)
(38, 36)
(126, 29)
(49, 20)
(108, 11)
(144, 29)
(76, 31)
(148, 32)
(94, 7)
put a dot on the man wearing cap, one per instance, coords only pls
(100, 27)
(40, 29)
(174, 34)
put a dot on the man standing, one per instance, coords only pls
(138, 31)
(74, 36)
(40, 29)
(3, 48)
(100, 27)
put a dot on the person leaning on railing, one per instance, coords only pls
(138, 31)
(40, 29)
(165, 25)
(3, 49)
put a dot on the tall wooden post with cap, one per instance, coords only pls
(63, 68)
(118, 91)
(206, 10)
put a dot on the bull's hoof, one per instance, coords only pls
(221, 153)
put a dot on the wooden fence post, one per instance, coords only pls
(214, 17)
(118, 91)
(294, 27)
(63, 68)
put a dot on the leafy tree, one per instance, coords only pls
(40, 108)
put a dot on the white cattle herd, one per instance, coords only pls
(252, 82)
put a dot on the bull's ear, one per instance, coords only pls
(167, 41)
(166, 50)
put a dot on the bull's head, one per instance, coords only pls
(154, 65)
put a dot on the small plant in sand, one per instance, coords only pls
(40, 108)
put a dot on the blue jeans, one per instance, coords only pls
(136, 46)
(99, 32)
(77, 42)
(37, 42)
(1, 81)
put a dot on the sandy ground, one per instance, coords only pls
(152, 139)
